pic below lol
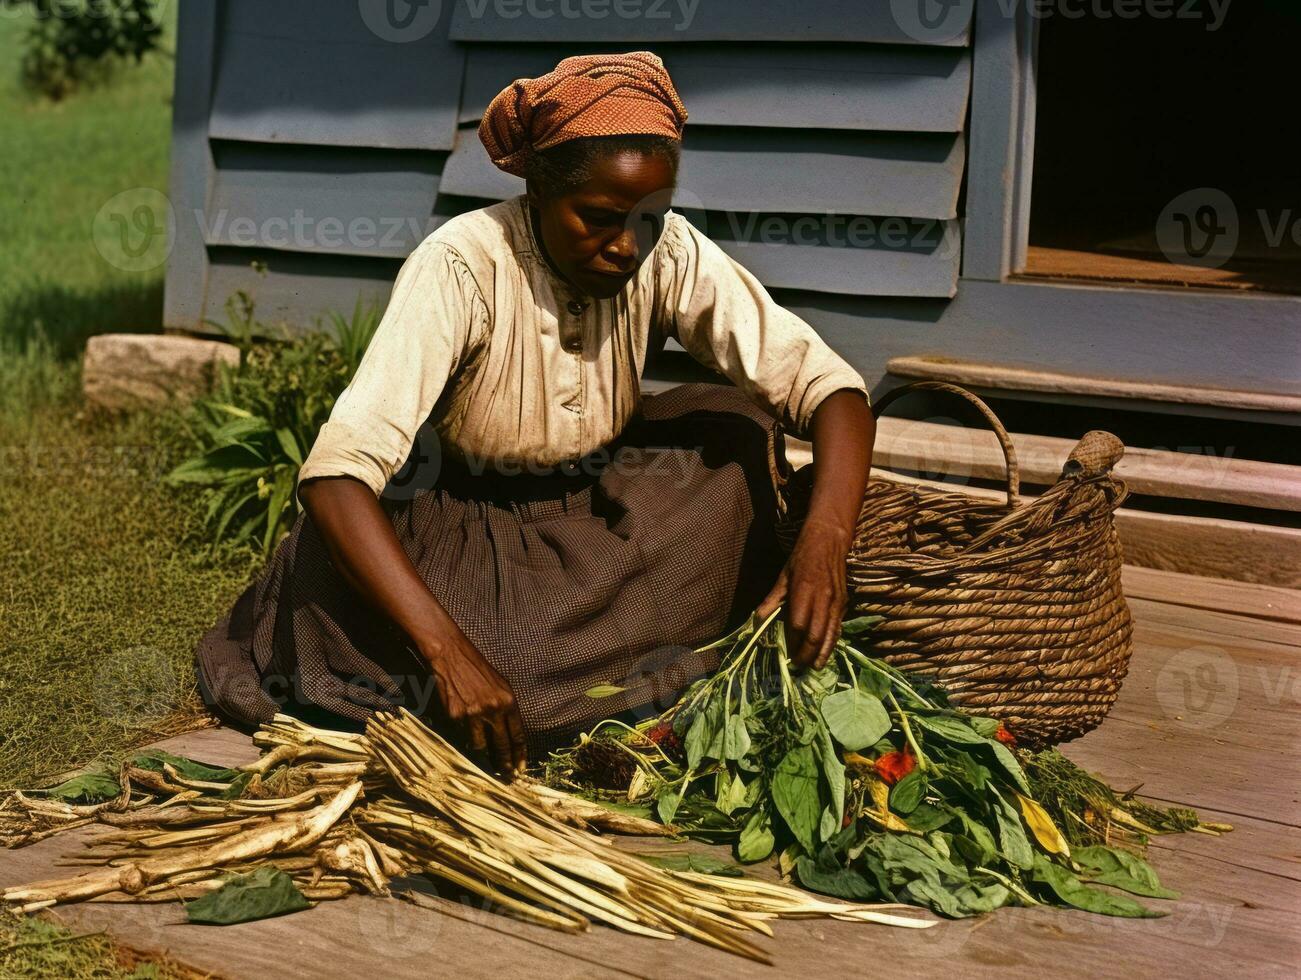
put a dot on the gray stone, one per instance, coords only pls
(124, 370)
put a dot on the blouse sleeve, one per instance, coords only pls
(422, 340)
(725, 319)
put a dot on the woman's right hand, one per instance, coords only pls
(476, 698)
(365, 550)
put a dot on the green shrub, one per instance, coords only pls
(72, 42)
(261, 419)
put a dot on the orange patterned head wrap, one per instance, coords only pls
(589, 95)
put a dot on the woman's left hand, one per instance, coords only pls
(812, 585)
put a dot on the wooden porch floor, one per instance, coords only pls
(1208, 717)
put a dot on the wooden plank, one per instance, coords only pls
(1232, 916)
(192, 166)
(296, 289)
(662, 21)
(896, 257)
(827, 86)
(323, 199)
(1216, 720)
(1001, 133)
(1212, 621)
(913, 175)
(999, 376)
(1238, 274)
(299, 71)
(1215, 594)
(1139, 335)
(1212, 546)
(1194, 545)
(954, 450)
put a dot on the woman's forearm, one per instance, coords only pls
(365, 550)
(843, 431)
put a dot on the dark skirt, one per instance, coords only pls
(612, 574)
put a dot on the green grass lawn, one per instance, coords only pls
(104, 586)
(60, 163)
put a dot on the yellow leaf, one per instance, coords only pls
(639, 786)
(880, 793)
(1042, 826)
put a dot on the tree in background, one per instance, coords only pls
(71, 43)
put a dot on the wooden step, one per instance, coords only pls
(1003, 378)
(923, 447)
(1203, 546)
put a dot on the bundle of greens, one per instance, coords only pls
(863, 782)
(322, 815)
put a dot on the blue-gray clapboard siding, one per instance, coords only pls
(799, 86)
(912, 175)
(325, 139)
(825, 110)
(312, 72)
(363, 202)
(667, 21)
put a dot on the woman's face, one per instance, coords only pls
(598, 234)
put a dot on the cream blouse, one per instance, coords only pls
(511, 364)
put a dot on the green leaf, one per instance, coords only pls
(704, 864)
(908, 792)
(1010, 766)
(874, 682)
(845, 883)
(936, 897)
(604, 691)
(860, 625)
(264, 893)
(855, 718)
(1120, 869)
(87, 787)
(154, 759)
(1011, 836)
(976, 899)
(950, 729)
(666, 805)
(833, 772)
(985, 727)
(290, 445)
(1074, 892)
(976, 843)
(795, 793)
(756, 840)
(736, 739)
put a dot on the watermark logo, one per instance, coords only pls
(420, 471)
(134, 230)
(1198, 688)
(400, 21)
(932, 21)
(1199, 227)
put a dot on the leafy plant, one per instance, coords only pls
(863, 782)
(255, 429)
(72, 42)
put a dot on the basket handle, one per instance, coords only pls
(1004, 440)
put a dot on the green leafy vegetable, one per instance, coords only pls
(261, 894)
(856, 718)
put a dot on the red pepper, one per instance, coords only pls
(664, 736)
(893, 766)
(1004, 736)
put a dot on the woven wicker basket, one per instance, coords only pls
(1014, 609)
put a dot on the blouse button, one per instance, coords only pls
(573, 344)
(575, 307)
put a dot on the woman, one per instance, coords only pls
(575, 533)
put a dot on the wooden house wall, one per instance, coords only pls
(311, 155)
